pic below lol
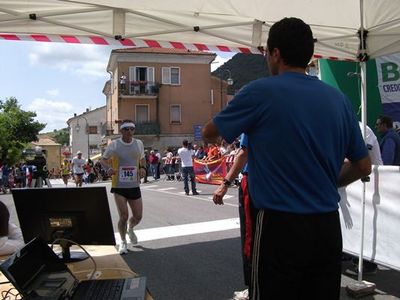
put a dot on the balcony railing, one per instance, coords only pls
(140, 88)
(147, 128)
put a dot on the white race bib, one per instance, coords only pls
(127, 174)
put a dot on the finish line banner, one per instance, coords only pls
(388, 69)
(382, 216)
(212, 172)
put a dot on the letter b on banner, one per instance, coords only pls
(390, 71)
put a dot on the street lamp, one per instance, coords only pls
(229, 80)
(78, 127)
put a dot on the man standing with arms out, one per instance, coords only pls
(293, 181)
(186, 156)
(126, 168)
(390, 142)
(77, 168)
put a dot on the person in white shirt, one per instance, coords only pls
(374, 151)
(10, 235)
(122, 82)
(77, 168)
(186, 156)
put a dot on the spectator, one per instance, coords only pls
(153, 160)
(159, 163)
(199, 153)
(168, 165)
(10, 235)
(390, 142)
(294, 167)
(186, 156)
(122, 83)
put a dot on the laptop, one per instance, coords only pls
(38, 273)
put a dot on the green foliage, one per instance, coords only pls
(244, 68)
(61, 136)
(17, 128)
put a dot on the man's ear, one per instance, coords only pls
(275, 54)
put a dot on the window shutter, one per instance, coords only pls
(166, 78)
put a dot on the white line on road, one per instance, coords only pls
(145, 187)
(166, 189)
(225, 197)
(182, 194)
(157, 233)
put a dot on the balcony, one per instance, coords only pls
(140, 88)
(147, 128)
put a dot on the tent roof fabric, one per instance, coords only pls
(234, 25)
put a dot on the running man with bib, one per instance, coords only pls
(124, 160)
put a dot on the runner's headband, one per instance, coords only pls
(127, 125)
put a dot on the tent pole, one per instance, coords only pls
(364, 125)
(362, 288)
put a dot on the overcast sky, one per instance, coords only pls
(57, 80)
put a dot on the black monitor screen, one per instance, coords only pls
(78, 214)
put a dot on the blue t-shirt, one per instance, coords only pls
(299, 131)
(243, 144)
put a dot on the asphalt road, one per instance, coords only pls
(190, 249)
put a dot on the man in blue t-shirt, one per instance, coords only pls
(300, 131)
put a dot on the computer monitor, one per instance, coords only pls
(78, 214)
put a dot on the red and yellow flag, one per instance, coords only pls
(212, 172)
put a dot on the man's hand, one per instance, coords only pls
(219, 194)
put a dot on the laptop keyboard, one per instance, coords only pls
(105, 289)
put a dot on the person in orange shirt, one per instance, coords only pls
(213, 153)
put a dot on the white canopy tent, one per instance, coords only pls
(343, 29)
(233, 25)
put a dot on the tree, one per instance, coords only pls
(17, 128)
(62, 136)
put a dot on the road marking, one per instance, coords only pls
(158, 233)
(182, 194)
(147, 186)
(166, 189)
(225, 197)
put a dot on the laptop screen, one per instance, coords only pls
(36, 270)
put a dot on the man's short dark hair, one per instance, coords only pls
(127, 121)
(185, 143)
(294, 40)
(387, 121)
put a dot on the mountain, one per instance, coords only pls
(243, 68)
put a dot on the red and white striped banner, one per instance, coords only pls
(127, 42)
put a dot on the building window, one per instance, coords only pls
(142, 113)
(140, 79)
(171, 75)
(175, 114)
(92, 129)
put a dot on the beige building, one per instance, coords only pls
(53, 152)
(168, 93)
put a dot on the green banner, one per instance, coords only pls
(345, 77)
